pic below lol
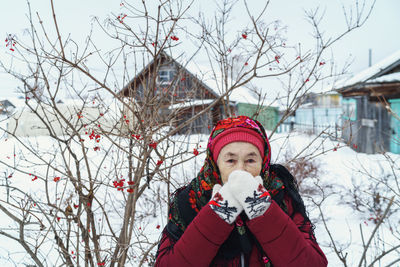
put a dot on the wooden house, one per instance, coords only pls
(187, 89)
(371, 107)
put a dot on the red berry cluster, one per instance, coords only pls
(10, 42)
(119, 184)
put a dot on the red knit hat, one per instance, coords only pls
(237, 134)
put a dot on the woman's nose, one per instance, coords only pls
(240, 166)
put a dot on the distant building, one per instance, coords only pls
(185, 92)
(371, 107)
(43, 120)
(268, 116)
(6, 107)
(319, 113)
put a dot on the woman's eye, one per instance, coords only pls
(251, 161)
(230, 161)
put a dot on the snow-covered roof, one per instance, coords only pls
(373, 72)
(193, 103)
(17, 102)
(210, 79)
(389, 78)
(243, 95)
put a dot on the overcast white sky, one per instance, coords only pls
(380, 33)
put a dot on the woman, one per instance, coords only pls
(240, 210)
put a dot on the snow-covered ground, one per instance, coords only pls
(346, 187)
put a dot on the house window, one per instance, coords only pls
(165, 76)
(349, 107)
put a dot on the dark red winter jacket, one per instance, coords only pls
(279, 236)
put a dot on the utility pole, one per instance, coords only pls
(369, 57)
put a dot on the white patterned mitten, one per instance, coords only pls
(224, 204)
(250, 193)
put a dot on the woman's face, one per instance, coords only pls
(239, 156)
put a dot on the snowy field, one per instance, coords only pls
(352, 189)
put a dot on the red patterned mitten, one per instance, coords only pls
(250, 193)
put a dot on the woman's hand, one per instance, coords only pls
(249, 192)
(224, 204)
